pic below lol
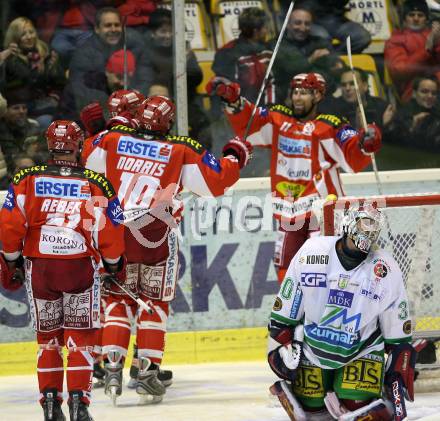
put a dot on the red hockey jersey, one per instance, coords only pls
(306, 156)
(149, 172)
(61, 212)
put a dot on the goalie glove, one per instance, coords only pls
(400, 365)
(11, 273)
(228, 91)
(92, 118)
(371, 139)
(242, 150)
(284, 360)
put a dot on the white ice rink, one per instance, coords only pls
(203, 392)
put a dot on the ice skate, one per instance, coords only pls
(113, 378)
(166, 377)
(148, 385)
(78, 409)
(52, 406)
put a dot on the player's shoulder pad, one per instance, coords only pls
(193, 144)
(332, 120)
(280, 108)
(100, 180)
(22, 174)
(121, 128)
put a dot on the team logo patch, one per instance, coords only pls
(314, 280)
(278, 304)
(156, 151)
(340, 298)
(296, 304)
(343, 281)
(363, 374)
(115, 212)
(288, 189)
(346, 133)
(407, 327)
(9, 202)
(210, 160)
(66, 189)
(380, 270)
(317, 259)
(289, 146)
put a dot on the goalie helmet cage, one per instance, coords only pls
(411, 233)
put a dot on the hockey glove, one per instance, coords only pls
(242, 150)
(228, 91)
(400, 365)
(92, 117)
(11, 273)
(371, 140)
(117, 271)
(285, 359)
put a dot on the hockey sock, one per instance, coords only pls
(80, 362)
(50, 362)
(151, 330)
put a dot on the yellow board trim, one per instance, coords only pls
(247, 344)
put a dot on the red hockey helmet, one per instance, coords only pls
(156, 114)
(124, 100)
(313, 81)
(64, 136)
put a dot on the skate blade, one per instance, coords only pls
(111, 392)
(149, 400)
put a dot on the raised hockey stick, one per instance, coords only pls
(140, 303)
(269, 68)
(362, 112)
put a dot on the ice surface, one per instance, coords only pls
(203, 392)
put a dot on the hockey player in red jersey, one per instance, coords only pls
(121, 107)
(59, 223)
(149, 169)
(308, 152)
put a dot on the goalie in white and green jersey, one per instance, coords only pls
(341, 306)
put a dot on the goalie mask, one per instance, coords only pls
(363, 225)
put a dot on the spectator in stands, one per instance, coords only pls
(137, 13)
(35, 66)
(88, 65)
(414, 50)
(67, 24)
(417, 124)
(376, 109)
(15, 126)
(330, 22)
(244, 60)
(158, 75)
(22, 161)
(299, 52)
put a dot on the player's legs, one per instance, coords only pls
(359, 385)
(81, 306)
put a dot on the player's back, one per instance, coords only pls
(59, 216)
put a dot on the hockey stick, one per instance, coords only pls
(145, 306)
(362, 112)
(269, 68)
(124, 30)
(398, 400)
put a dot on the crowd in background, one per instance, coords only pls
(60, 55)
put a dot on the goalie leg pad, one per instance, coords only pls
(377, 410)
(291, 405)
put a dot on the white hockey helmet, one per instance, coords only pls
(363, 225)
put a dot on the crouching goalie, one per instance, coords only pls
(340, 329)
